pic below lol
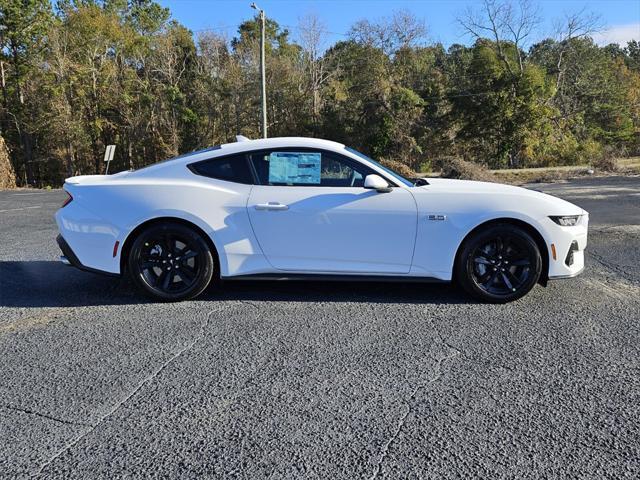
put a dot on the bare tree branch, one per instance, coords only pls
(503, 22)
(390, 35)
(313, 40)
(575, 25)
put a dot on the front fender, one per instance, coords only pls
(438, 241)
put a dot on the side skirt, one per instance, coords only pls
(319, 277)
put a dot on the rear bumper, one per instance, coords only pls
(90, 237)
(70, 258)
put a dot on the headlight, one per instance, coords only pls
(565, 220)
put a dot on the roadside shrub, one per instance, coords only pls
(424, 166)
(590, 151)
(607, 160)
(456, 167)
(557, 149)
(399, 167)
(606, 164)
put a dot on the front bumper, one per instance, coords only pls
(562, 277)
(569, 244)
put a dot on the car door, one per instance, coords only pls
(311, 213)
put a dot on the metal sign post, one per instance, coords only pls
(108, 156)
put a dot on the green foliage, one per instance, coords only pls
(89, 73)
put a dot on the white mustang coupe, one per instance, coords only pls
(307, 208)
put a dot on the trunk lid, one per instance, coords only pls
(94, 179)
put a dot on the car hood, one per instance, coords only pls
(501, 193)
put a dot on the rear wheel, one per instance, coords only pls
(499, 264)
(171, 262)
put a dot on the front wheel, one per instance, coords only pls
(499, 264)
(170, 262)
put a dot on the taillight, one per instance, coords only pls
(67, 200)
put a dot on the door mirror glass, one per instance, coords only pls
(376, 182)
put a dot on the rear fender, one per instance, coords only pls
(168, 216)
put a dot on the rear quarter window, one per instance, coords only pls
(230, 169)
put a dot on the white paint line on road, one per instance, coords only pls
(17, 209)
(33, 193)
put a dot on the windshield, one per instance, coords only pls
(395, 175)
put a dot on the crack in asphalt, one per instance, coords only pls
(138, 387)
(401, 422)
(601, 260)
(44, 415)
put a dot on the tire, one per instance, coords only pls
(170, 262)
(499, 263)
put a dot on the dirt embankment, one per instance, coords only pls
(7, 174)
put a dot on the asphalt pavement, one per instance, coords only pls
(320, 380)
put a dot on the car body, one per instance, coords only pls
(299, 207)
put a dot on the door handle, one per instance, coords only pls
(271, 206)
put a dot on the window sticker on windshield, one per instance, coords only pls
(294, 167)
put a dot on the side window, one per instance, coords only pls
(231, 169)
(307, 168)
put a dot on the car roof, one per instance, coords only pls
(278, 142)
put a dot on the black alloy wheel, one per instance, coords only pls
(171, 262)
(499, 264)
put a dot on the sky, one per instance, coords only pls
(620, 18)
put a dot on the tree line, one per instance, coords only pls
(82, 74)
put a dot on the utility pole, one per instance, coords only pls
(262, 74)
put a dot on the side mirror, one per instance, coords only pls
(377, 183)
